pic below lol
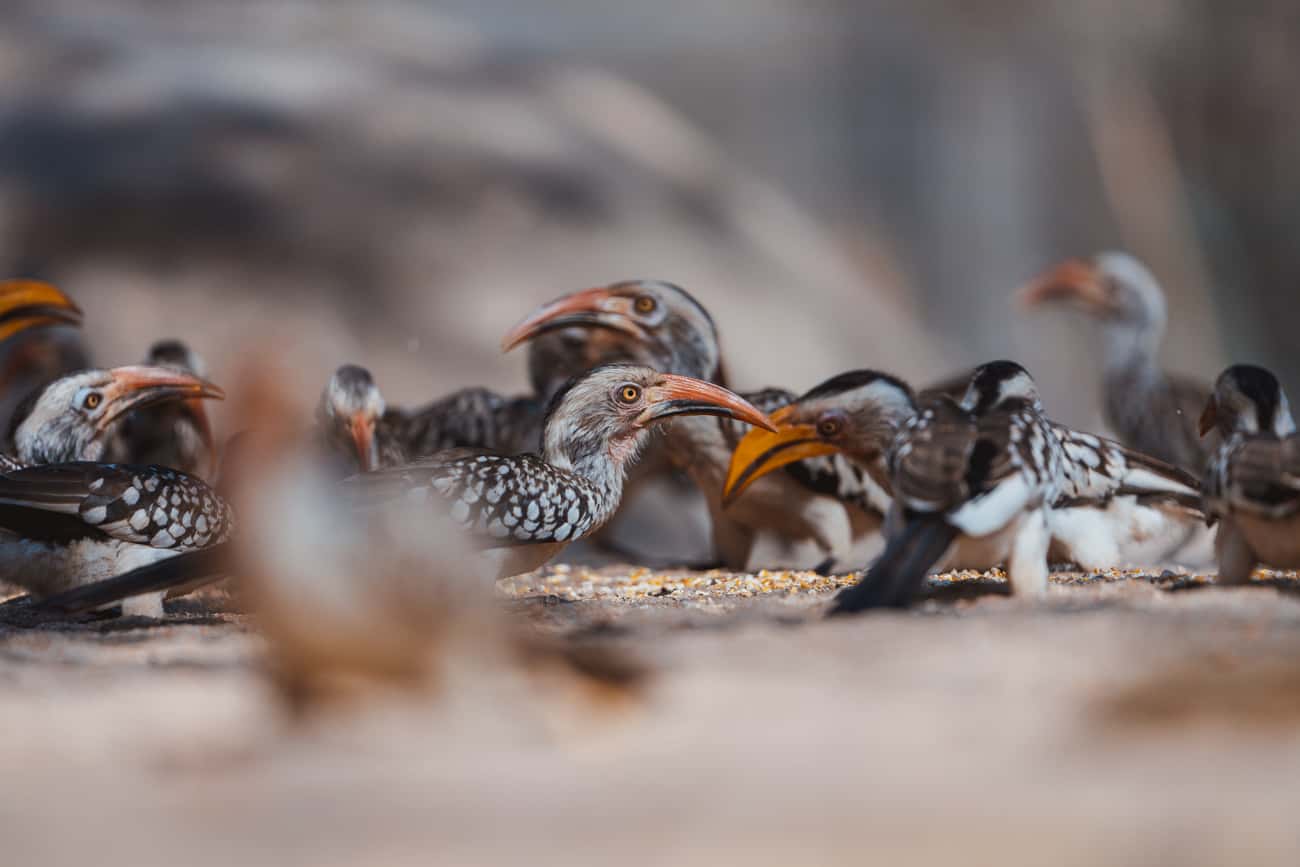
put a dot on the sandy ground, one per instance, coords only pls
(1125, 720)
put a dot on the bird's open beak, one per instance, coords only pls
(26, 304)
(362, 429)
(590, 308)
(1209, 417)
(1072, 280)
(760, 452)
(673, 395)
(137, 386)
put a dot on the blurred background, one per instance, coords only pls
(842, 183)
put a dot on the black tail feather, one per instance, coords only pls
(897, 576)
(190, 567)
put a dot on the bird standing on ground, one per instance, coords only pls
(664, 326)
(1252, 484)
(972, 484)
(1150, 410)
(66, 519)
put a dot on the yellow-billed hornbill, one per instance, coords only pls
(171, 434)
(514, 512)
(662, 325)
(39, 341)
(1252, 482)
(66, 519)
(972, 483)
(1114, 506)
(1150, 410)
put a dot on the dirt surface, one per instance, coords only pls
(1124, 720)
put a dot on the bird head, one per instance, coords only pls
(1247, 399)
(856, 414)
(993, 385)
(26, 304)
(648, 322)
(67, 420)
(1111, 286)
(603, 416)
(350, 407)
(177, 355)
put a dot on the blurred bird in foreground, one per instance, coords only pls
(1252, 483)
(386, 598)
(1150, 410)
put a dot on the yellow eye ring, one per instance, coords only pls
(92, 400)
(645, 304)
(629, 394)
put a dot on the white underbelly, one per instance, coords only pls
(44, 568)
(981, 552)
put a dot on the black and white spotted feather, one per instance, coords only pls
(501, 501)
(146, 505)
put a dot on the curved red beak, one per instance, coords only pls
(589, 308)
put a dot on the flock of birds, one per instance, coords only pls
(113, 490)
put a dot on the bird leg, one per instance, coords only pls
(1236, 559)
(1027, 566)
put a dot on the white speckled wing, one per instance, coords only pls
(149, 505)
(501, 501)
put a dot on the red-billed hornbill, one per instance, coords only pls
(68, 520)
(514, 512)
(664, 326)
(1252, 483)
(171, 434)
(1114, 507)
(353, 423)
(1150, 410)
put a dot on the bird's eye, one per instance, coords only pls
(829, 428)
(92, 400)
(645, 304)
(629, 394)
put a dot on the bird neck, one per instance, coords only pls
(600, 461)
(56, 445)
(1133, 346)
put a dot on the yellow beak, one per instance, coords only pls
(26, 304)
(760, 452)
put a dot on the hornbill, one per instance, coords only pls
(68, 520)
(1252, 482)
(1150, 410)
(172, 434)
(1114, 505)
(354, 425)
(514, 513)
(664, 326)
(38, 341)
(972, 483)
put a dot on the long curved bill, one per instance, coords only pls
(27, 304)
(589, 308)
(1072, 280)
(362, 429)
(759, 452)
(673, 395)
(138, 385)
